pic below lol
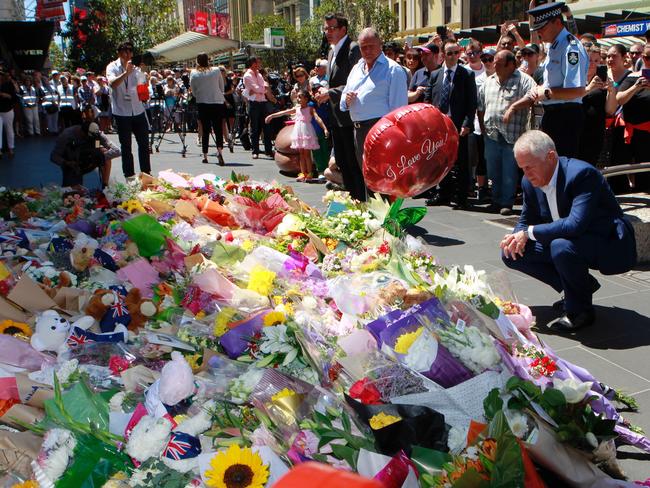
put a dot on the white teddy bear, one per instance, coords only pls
(51, 332)
(177, 447)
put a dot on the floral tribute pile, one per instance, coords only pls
(193, 331)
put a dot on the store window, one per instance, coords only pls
(495, 12)
(447, 12)
(424, 9)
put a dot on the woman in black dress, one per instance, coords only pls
(634, 96)
(598, 104)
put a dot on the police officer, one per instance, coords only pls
(565, 78)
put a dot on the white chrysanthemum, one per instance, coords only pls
(148, 438)
(115, 403)
(66, 370)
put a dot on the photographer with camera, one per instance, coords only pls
(128, 109)
(81, 149)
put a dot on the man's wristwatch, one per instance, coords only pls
(547, 93)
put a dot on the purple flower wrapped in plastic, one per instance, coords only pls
(237, 340)
(428, 311)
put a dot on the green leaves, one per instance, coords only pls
(492, 403)
(553, 397)
(508, 468)
(398, 218)
(346, 453)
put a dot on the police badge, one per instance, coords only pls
(572, 58)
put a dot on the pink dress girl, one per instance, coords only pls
(303, 135)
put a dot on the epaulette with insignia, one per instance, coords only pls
(571, 38)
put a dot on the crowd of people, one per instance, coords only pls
(592, 101)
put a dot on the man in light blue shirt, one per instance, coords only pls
(376, 86)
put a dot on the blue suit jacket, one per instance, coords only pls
(587, 207)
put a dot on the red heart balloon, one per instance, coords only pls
(409, 150)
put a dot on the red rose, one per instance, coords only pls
(366, 392)
(117, 364)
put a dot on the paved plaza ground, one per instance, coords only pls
(616, 349)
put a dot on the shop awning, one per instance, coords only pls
(627, 41)
(188, 45)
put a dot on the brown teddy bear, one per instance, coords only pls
(112, 307)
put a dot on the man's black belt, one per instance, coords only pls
(365, 123)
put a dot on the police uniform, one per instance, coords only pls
(565, 66)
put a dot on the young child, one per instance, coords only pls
(303, 136)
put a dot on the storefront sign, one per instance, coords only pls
(632, 28)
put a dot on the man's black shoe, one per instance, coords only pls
(462, 205)
(595, 286)
(568, 323)
(436, 200)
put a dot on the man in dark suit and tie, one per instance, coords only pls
(570, 223)
(343, 55)
(452, 89)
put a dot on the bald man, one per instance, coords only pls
(375, 87)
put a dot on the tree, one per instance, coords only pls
(307, 44)
(56, 56)
(107, 23)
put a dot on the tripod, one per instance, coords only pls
(164, 120)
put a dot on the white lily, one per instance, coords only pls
(574, 391)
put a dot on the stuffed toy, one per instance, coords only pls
(171, 394)
(54, 333)
(117, 306)
(178, 447)
(83, 252)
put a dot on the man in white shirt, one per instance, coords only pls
(256, 92)
(128, 110)
(570, 223)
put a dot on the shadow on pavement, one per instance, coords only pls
(615, 328)
(433, 240)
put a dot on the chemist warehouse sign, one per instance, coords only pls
(633, 28)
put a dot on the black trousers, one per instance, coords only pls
(454, 186)
(211, 117)
(257, 112)
(346, 160)
(563, 123)
(68, 117)
(139, 127)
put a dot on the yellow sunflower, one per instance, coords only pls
(274, 318)
(406, 340)
(10, 327)
(237, 468)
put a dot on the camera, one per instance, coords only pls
(159, 91)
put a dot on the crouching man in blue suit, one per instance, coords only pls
(570, 223)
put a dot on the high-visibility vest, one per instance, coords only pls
(67, 97)
(50, 98)
(30, 98)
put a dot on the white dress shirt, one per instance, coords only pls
(124, 98)
(337, 48)
(550, 190)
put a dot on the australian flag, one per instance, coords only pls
(79, 337)
(182, 446)
(116, 314)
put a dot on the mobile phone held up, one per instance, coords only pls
(601, 72)
(645, 72)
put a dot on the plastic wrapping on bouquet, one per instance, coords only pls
(409, 150)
